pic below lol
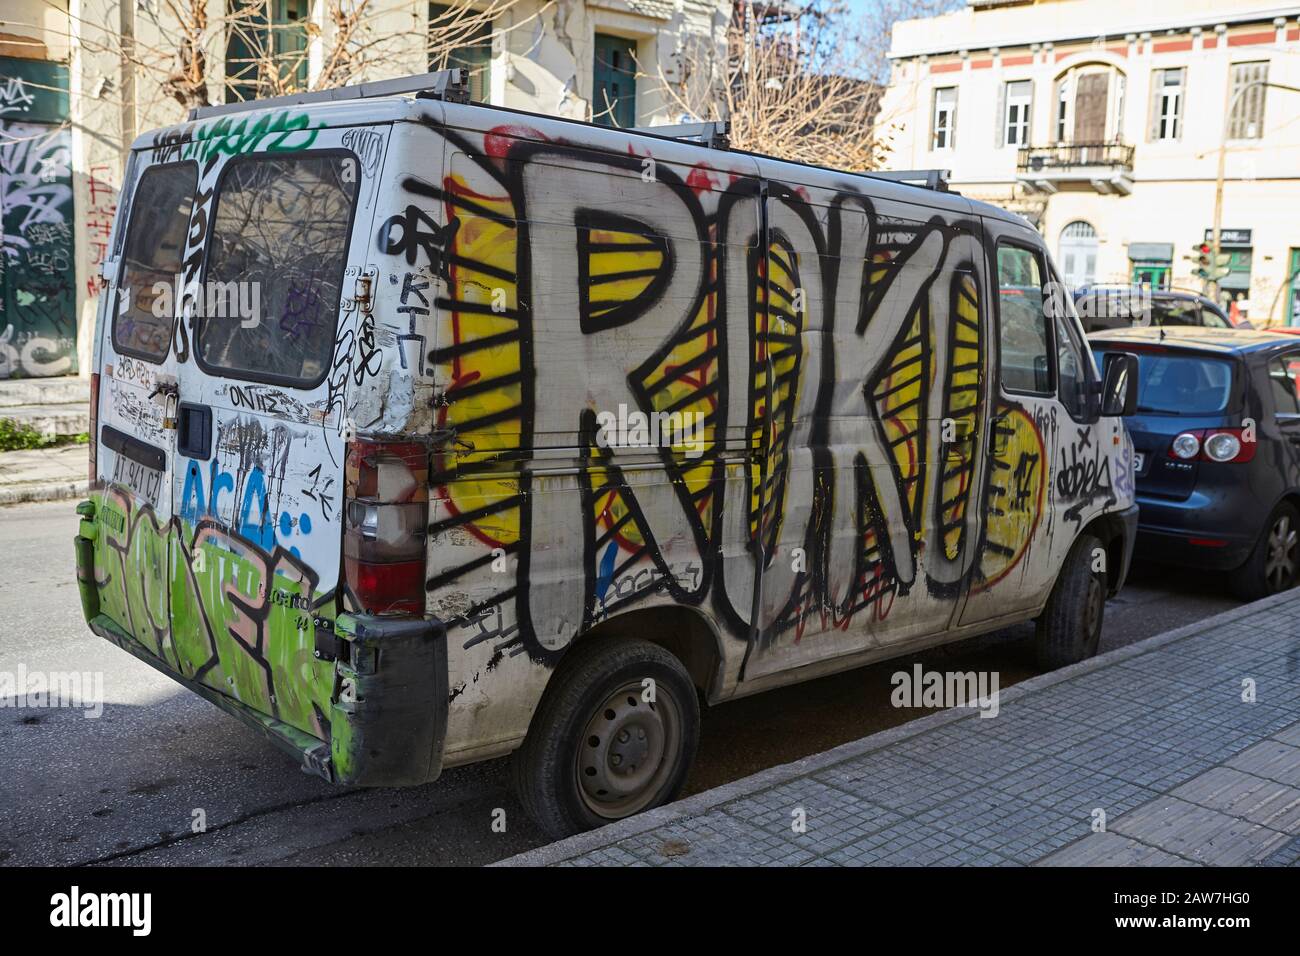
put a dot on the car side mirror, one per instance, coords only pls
(1119, 388)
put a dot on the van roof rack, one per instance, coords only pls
(715, 134)
(451, 85)
(936, 179)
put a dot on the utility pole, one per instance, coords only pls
(126, 29)
(1232, 100)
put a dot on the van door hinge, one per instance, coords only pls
(363, 289)
(329, 646)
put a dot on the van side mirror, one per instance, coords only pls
(1119, 388)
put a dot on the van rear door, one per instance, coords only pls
(134, 443)
(261, 423)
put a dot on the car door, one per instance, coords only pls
(882, 460)
(278, 340)
(1284, 390)
(135, 440)
(1014, 568)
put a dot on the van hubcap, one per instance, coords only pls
(628, 750)
(1280, 566)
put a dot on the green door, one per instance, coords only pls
(1152, 273)
(1293, 289)
(613, 100)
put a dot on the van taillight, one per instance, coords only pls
(386, 516)
(94, 428)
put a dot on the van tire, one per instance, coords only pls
(1069, 629)
(1272, 565)
(594, 708)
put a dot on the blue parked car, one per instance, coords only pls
(1217, 442)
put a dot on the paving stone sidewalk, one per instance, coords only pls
(1156, 736)
(43, 474)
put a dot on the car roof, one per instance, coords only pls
(1155, 293)
(1220, 341)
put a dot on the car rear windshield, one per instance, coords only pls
(1117, 308)
(1171, 384)
(277, 254)
(151, 262)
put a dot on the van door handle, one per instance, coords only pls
(194, 431)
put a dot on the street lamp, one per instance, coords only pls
(1233, 98)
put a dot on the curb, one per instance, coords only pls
(765, 779)
(43, 491)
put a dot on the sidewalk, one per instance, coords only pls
(45, 474)
(1155, 736)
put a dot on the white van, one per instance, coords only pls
(428, 432)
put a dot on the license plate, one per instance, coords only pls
(144, 482)
(1139, 461)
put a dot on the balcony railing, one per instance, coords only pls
(1041, 159)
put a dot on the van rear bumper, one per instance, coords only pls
(388, 713)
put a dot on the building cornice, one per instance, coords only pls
(1204, 21)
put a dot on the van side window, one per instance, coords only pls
(1074, 369)
(1022, 324)
(275, 266)
(151, 262)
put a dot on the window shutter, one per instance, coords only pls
(1029, 117)
(1000, 137)
(1153, 122)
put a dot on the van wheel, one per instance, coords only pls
(1069, 629)
(1272, 566)
(597, 749)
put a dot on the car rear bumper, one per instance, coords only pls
(1191, 533)
(388, 714)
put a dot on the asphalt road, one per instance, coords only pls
(126, 788)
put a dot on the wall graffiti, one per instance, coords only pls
(38, 328)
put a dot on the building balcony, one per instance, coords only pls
(1104, 167)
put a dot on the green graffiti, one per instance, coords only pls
(282, 132)
(217, 609)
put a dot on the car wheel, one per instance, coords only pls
(1273, 564)
(605, 742)
(1069, 629)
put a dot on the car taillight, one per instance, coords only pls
(386, 517)
(1186, 446)
(94, 428)
(1222, 445)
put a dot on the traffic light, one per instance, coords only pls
(1201, 256)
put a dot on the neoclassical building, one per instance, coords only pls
(1102, 122)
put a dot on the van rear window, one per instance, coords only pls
(151, 262)
(275, 267)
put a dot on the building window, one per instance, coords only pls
(1018, 101)
(266, 48)
(1167, 104)
(457, 38)
(1247, 119)
(945, 118)
(613, 100)
(1079, 254)
(1090, 105)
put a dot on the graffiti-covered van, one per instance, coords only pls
(428, 432)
